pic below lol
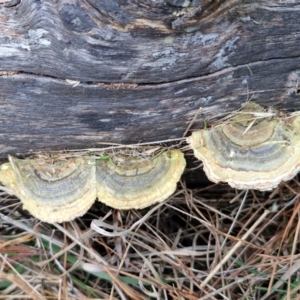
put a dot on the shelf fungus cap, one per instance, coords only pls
(138, 183)
(251, 150)
(52, 192)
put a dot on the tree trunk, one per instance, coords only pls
(76, 73)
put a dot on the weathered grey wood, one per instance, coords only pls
(144, 67)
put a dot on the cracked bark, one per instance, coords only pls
(76, 73)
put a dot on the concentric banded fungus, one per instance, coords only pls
(250, 151)
(139, 183)
(55, 192)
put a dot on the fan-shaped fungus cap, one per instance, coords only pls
(52, 192)
(250, 150)
(139, 183)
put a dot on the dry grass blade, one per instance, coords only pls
(20, 282)
(234, 249)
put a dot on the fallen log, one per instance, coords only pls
(75, 74)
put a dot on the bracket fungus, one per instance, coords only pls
(251, 150)
(52, 192)
(138, 183)
(65, 189)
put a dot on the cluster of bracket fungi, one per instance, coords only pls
(254, 148)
